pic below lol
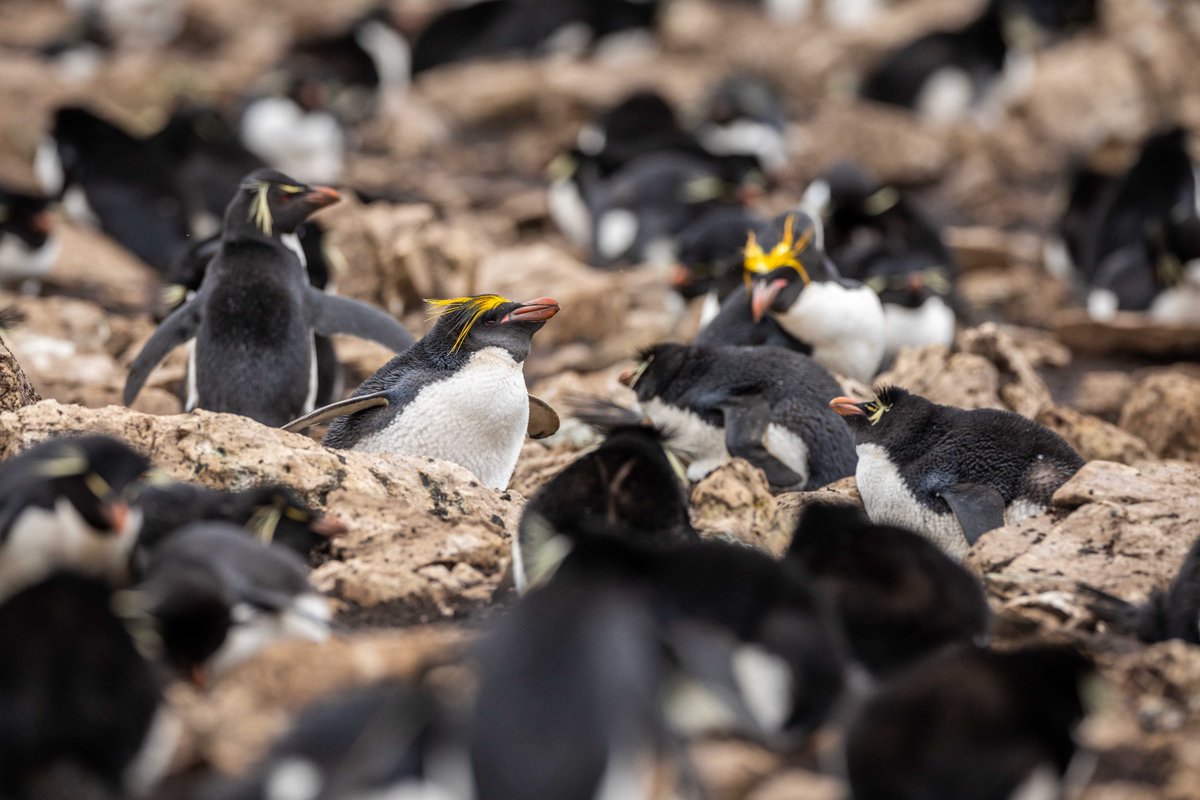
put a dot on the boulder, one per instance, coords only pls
(734, 502)
(1092, 437)
(1164, 410)
(15, 388)
(425, 539)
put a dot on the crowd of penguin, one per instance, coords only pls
(864, 651)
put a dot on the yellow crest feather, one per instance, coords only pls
(69, 462)
(472, 308)
(260, 211)
(756, 261)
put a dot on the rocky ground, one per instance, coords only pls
(426, 555)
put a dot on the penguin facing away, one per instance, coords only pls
(757, 403)
(65, 506)
(458, 394)
(949, 473)
(255, 315)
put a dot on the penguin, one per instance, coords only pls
(375, 738)
(993, 726)
(109, 178)
(523, 28)
(285, 124)
(77, 691)
(838, 320)
(272, 512)
(638, 211)
(254, 317)
(763, 404)
(643, 122)
(1173, 613)
(946, 75)
(1157, 274)
(134, 24)
(709, 255)
(218, 597)
(1086, 188)
(66, 506)
(632, 481)
(29, 246)
(952, 474)
(744, 115)
(458, 394)
(898, 597)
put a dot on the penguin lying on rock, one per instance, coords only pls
(762, 404)
(255, 315)
(458, 394)
(64, 504)
(949, 473)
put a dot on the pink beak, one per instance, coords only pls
(763, 297)
(538, 310)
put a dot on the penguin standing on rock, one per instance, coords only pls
(949, 473)
(762, 404)
(254, 317)
(64, 505)
(458, 394)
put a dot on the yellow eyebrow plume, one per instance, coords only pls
(472, 308)
(784, 254)
(260, 212)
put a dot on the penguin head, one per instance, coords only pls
(709, 251)
(27, 217)
(192, 609)
(643, 115)
(889, 417)
(778, 275)
(269, 203)
(280, 517)
(657, 369)
(96, 474)
(899, 282)
(468, 324)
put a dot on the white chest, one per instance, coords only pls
(932, 322)
(570, 212)
(889, 501)
(844, 325)
(310, 146)
(20, 262)
(477, 417)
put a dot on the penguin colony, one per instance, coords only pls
(864, 649)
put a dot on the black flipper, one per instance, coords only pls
(746, 420)
(175, 330)
(341, 408)
(543, 419)
(332, 314)
(979, 508)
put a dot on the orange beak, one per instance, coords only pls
(321, 196)
(681, 276)
(116, 514)
(846, 407)
(42, 223)
(763, 295)
(626, 377)
(538, 310)
(915, 282)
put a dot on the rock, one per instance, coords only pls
(959, 379)
(729, 768)
(979, 247)
(791, 504)
(15, 389)
(425, 539)
(232, 724)
(1103, 393)
(1123, 529)
(1127, 333)
(734, 502)
(1164, 410)
(1093, 438)
(891, 143)
(790, 784)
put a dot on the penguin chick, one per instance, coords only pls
(28, 245)
(271, 512)
(763, 404)
(65, 505)
(367, 740)
(458, 394)
(74, 689)
(993, 726)
(840, 319)
(631, 482)
(952, 474)
(254, 317)
(219, 597)
(1170, 614)
(898, 597)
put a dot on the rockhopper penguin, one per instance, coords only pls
(458, 394)
(254, 317)
(949, 473)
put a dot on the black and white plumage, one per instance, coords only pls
(744, 115)
(798, 299)
(256, 313)
(65, 505)
(75, 690)
(28, 244)
(763, 404)
(899, 598)
(709, 255)
(993, 726)
(458, 394)
(273, 513)
(952, 474)
(218, 597)
(116, 181)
